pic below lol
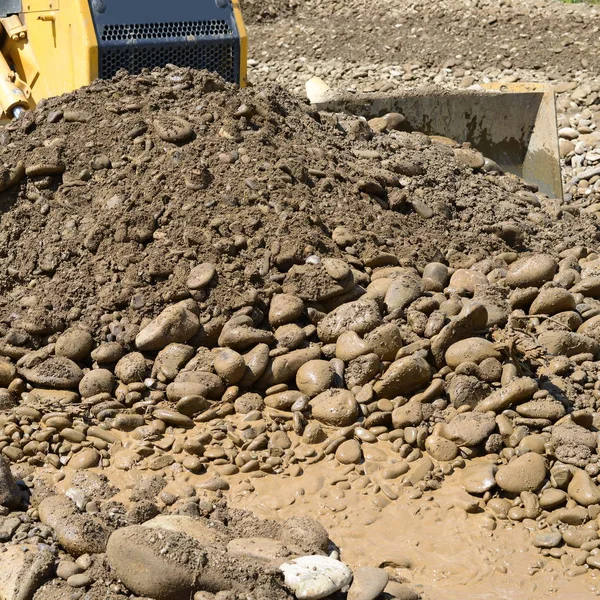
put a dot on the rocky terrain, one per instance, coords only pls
(250, 350)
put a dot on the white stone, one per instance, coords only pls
(314, 577)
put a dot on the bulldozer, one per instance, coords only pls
(50, 47)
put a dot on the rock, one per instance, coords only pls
(440, 448)
(350, 346)
(469, 157)
(335, 407)
(85, 459)
(385, 341)
(314, 577)
(409, 415)
(284, 368)
(367, 583)
(524, 473)
(544, 408)
(265, 550)
(349, 452)
(285, 400)
(306, 533)
(551, 301)
(56, 372)
(230, 365)
(531, 271)
(361, 370)
(552, 498)
(550, 539)
(470, 350)
(172, 129)
(404, 376)
(469, 429)
(403, 290)
(173, 418)
(10, 494)
(134, 553)
(131, 368)
(464, 281)
(360, 316)
(479, 478)
(78, 533)
(25, 567)
(8, 372)
(170, 360)
(200, 276)
(284, 309)
(74, 343)
(467, 390)
(567, 343)
(435, 277)
(472, 318)
(239, 333)
(175, 324)
(518, 390)
(582, 488)
(97, 381)
(256, 363)
(110, 352)
(314, 377)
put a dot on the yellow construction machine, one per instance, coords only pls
(50, 47)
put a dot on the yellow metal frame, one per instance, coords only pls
(60, 51)
(237, 13)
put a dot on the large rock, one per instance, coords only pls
(24, 569)
(314, 577)
(525, 473)
(335, 407)
(472, 349)
(175, 324)
(78, 533)
(137, 555)
(10, 494)
(567, 343)
(367, 583)
(469, 429)
(360, 316)
(532, 271)
(404, 289)
(56, 372)
(403, 377)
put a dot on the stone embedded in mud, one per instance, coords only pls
(315, 577)
(75, 343)
(175, 324)
(518, 390)
(314, 377)
(551, 301)
(367, 583)
(56, 372)
(336, 407)
(137, 557)
(10, 494)
(200, 276)
(582, 488)
(531, 271)
(404, 376)
(360, 316)
(470, 350)
(523, 473)
(78, 533)
(469, 429)
(567, 343)
(479, 478)
(25, 567)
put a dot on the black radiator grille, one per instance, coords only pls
(217, 56)
(148, 31)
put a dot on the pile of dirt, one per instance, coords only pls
(119, 189)
(202, 285)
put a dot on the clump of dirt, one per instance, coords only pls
(128, 184)
(258, 11)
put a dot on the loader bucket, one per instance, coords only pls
(512, 124)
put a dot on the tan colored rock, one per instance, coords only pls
(314, 377)
(518, 390)
(440, 448)
(284, 309)
(403, 377)
(464, 281)
(582, 489)
(335, 407)
(350, 346)
(523, 473)
(472, 349)
(551, 301)
(531, 271)
(175, 324)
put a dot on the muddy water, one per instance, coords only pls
(430, 543)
